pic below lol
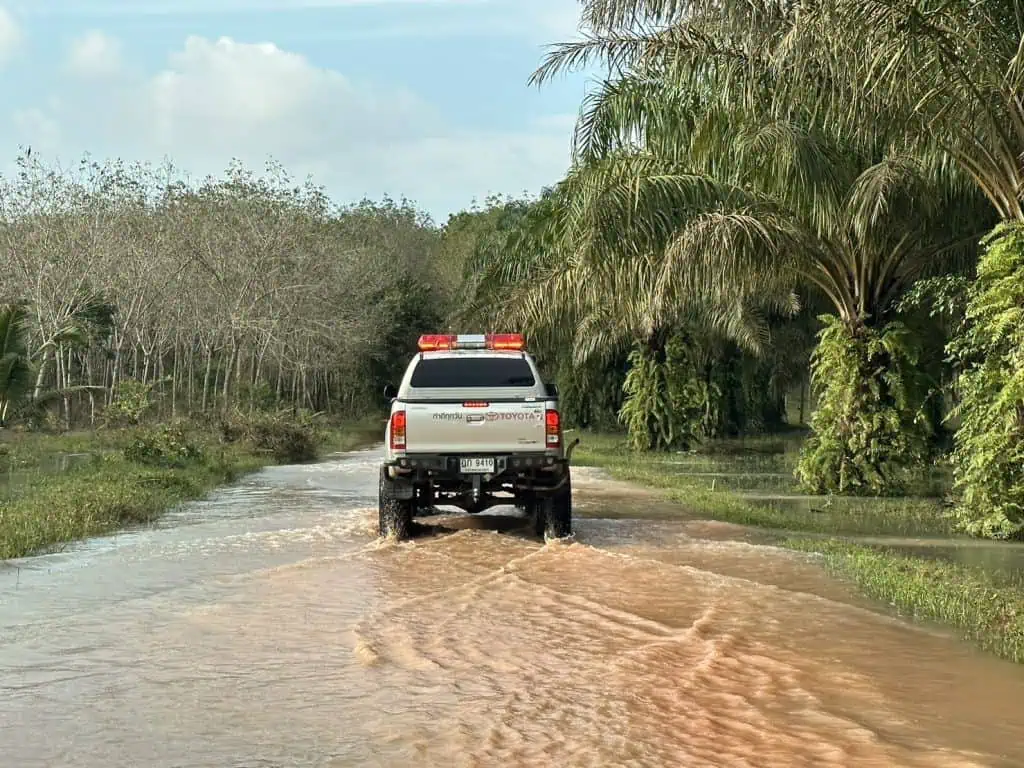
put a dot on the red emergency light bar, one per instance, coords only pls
(433, 342)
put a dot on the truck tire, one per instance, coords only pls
(394, 515)
(534, 512)
(555, 512)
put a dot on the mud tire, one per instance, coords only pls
(555, 513)
(394, 515)
(534, 512)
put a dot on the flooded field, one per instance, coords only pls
(11, 475)
(765, 478)
(268, 627)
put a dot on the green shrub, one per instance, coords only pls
(130, 406)
(870, 430)
(989, 453)
(288, 438)
(163, 446)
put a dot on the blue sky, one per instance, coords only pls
(422, 98)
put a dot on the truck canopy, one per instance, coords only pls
(472, 374)
(473, 402)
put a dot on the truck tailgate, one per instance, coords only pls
(468, 428)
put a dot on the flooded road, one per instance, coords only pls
(268, 627)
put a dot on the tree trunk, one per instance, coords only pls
(206, 377)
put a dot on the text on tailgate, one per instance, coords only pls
(490, 416)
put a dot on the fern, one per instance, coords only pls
(870, 432)
(988, 457)
(666, 405)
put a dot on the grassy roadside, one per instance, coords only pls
(983, 607)
(748, 461)
(118, 478)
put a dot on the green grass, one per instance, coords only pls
(986, 610)
(717, 497)
(42, 509)
(983, 605)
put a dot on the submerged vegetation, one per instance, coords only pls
(983, 608)
(133, 475)
(750, 482)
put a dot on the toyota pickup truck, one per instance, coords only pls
(473, 425)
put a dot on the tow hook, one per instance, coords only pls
(476, 488)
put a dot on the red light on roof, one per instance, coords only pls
(514, 341)
(433, 342)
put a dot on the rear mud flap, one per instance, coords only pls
(547, 490)
(400, 491)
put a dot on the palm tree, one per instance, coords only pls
(15, 367)
(947, 76)
(691, 190)
(20, 379)
(943, 76)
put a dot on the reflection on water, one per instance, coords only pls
(1003, 561)
(765, 479)
(11, 476)
(268, 627)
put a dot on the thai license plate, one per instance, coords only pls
(476, 465)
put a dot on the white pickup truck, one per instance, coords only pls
(473, 426)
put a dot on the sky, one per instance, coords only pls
(423, 99)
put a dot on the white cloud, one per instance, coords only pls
(94, 54)
(225, 94)
(10, 36)
(221, 99)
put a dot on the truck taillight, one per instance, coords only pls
(552, 428)
(398, 430)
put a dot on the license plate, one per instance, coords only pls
(476, 465)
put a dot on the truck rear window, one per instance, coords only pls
(483, 372)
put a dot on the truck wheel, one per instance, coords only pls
(534, 511)
(394, 515)
(556, 513)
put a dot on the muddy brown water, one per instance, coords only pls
(268, 627)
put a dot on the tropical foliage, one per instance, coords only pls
(989, 454)
(15, 368)
(750, 169)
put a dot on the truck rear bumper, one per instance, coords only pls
(536, 473)
(449, 465)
